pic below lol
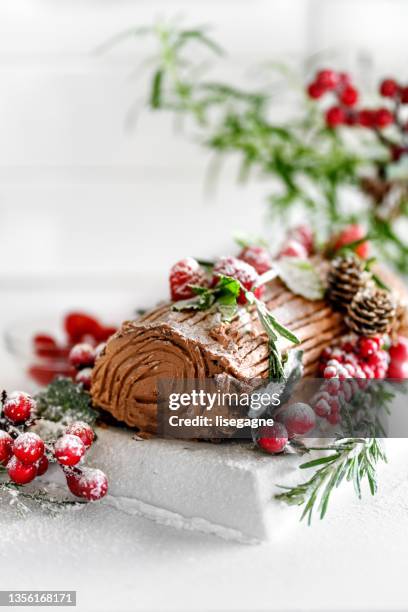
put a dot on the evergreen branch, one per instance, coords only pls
(352, 459)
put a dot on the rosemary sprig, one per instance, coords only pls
(352, 459)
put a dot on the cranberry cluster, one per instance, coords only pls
(52, 356)
(26, 456)
(292, 420)
(345, 111)
(251, 262)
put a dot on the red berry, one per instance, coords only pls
(6, 443)
(89, 483)
(69, 450)
(366, 347)
(273, 439)
(389, 88)
(368, 371)
(398, 370)
(367, 118)
(334, 418)
(397, 152)
(82, 355)
(184, 273)
(327, 79)
(399, 351)
(18, 407)
(42, 465)
(353, 233)
(84, 377)
(293, 248)
(28, 447)
(383, 118)
(321, 406)
(351, 118)
(258, 257)
(21, 473)
(349, 96)
(344, 78)
(335, 116)
(298, 418)
(83, 431)
(304, 235)
(316, 90)
(78, 324)
(404, 95)
(241, 271)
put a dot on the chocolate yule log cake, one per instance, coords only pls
(197, 344)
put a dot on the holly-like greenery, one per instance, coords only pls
(64, 401)
(308, 163)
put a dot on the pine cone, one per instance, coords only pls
(346, 277)
(371, 312)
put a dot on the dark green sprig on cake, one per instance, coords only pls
(64, 401)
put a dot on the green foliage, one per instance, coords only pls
(64, 401)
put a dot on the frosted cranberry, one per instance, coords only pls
(316, 90)
(366, 347)
(88, 483)
(399, 351)
(28, 447)
(304, 235)
(367, 118)
(298, 418)
(353, 233)
(18, 407)
(82, 355)
(293, 248)
(241, 271)
(21, 473)
(85, 378)
(327, 78)
(6, 443)
(42, 465)
(273, 439)
(389, 88)
(184, 273)
(83, 431)
(258, 257)
(368, 371)
(383, 118)
(349, 96)
(398, 370)
(335, 116)
(334, 418)
(404, 95)
(330, 371)
(69, 450)
(321, 407)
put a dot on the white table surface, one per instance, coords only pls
(356, 559)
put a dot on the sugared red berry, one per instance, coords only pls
(398, 370)
(241, 271)
(383, 118)
(399, 351)
(298, 418)
(21, 473)
(367, 346)
(349, 96)
(82, 355)
(404, 95)
(184, 273)
(273, 439)
(303, 234)
(88, 483)
(335, 116)
(69, 450)
(258, 257)
(85, 378)
(6, 443)
(28, 447)
(293, 248)
(83, 431)
(366, 118)
(327, 78)
(389, 88)
(353, 233)
(18, 407)
(42, 465)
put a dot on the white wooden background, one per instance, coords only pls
(82, 196)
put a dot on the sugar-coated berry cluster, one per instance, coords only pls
(251, 262)
(26, 456)
(347, 368)
(292, 420)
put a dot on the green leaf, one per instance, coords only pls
(156, 91)
(301, 277)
